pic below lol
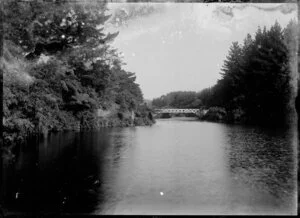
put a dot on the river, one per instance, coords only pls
(177, 166)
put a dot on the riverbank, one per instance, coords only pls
(19, 134)
(219, 114)
(239, 116)
(59, 80)
(117, 121)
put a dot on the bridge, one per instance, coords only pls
(197, 112)
(177, 111)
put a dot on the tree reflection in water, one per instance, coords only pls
(264, 160)
(56, 179)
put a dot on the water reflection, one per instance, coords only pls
(68, 179)
(118, 167)
(200, 167)
(64, 177)
(18, 176)
(262, 163)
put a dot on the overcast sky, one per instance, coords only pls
(182, 46)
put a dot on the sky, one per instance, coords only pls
(182, 46)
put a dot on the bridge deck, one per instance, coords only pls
(177, 110)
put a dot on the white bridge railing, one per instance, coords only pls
(176, 111)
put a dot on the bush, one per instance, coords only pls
(215, 114)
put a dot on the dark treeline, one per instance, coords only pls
(59, 68)
(180, 99)
(257, 83)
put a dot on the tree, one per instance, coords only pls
(65, 66)
(255, 78)
(229, 83)
(291, 41)
(179, 99)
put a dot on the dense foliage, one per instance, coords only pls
(180, 99)
(59, 67)
(258, 79)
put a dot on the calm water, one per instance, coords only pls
(177, 166)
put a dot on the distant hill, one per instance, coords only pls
(178, 99)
